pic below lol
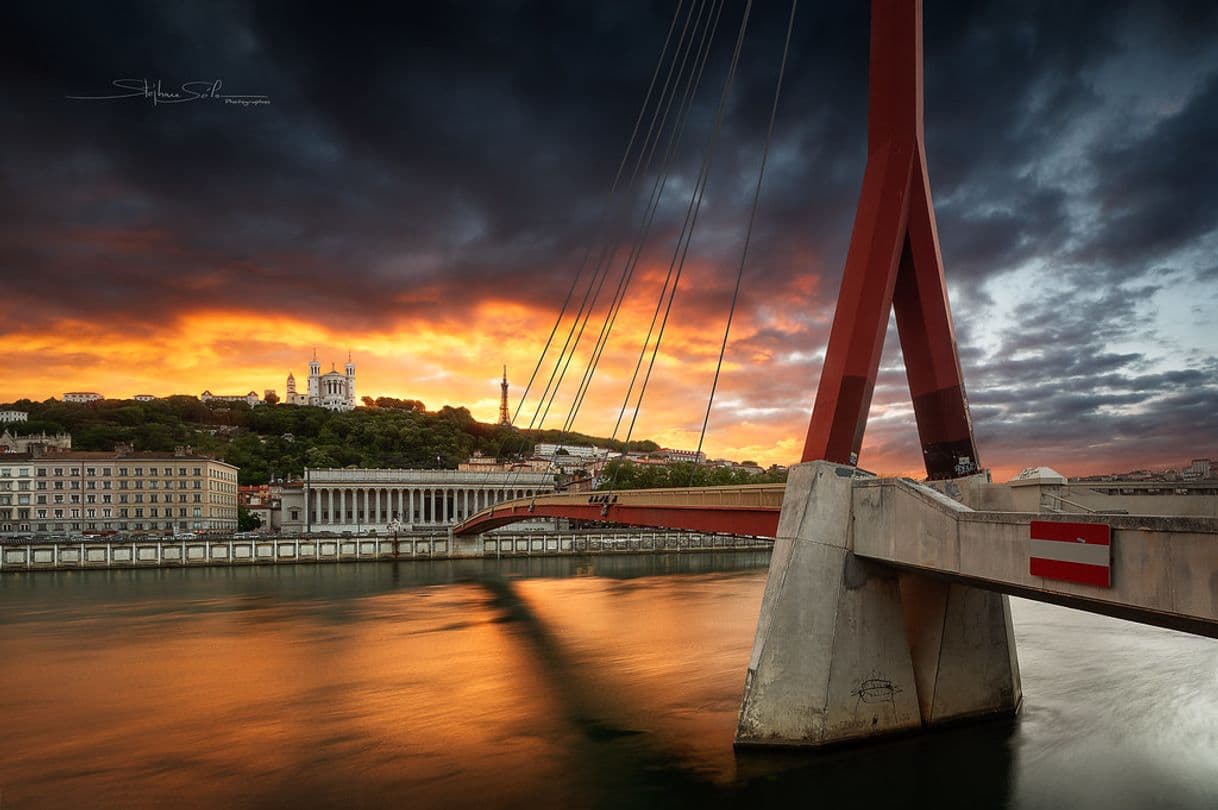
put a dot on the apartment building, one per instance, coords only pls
(107, 492)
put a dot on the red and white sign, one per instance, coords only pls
(1073, 552)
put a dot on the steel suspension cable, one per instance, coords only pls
(687, 231)
(612, 190)
(642, 163)
(592, 294)
(635, 255)
(748, 234)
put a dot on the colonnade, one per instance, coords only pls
(410, 506)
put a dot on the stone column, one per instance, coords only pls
(444, 505)
(433, 506)
(342, 506)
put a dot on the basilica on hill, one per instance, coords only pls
(334, 390)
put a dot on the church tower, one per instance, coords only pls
(505, 418)
(290, 395)
(314, 379)
(350, 369)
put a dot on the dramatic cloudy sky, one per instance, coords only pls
(426, 178)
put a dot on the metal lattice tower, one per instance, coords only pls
(505, 418)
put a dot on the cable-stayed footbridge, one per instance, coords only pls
(886, 608)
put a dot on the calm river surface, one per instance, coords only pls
(606, 682)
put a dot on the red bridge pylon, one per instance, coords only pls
(894, 261)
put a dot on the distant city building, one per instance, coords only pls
(685, 456)
(250, 399)
(357, 500)
(1199, 468)
(37, 443)
(480, 463)
(546, 450)
(82, 396)
(114, 492)
(144, 398)
(14, 416)
(334, 390)
(262, 501)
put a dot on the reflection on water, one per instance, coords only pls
(601, 682)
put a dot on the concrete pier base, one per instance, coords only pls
(848, 650)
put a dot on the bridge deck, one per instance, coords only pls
(748, 509)
(1164, 569)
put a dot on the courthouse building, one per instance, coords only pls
(116, 492)
(358, 500)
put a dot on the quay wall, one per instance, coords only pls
(97, 554)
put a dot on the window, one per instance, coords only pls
(181, 471)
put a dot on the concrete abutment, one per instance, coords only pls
(848, 650)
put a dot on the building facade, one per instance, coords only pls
(14, 416)
(334, 390)
(34, 442)
(82, 396)
(359, 500)
(250, 399)
(77, 493)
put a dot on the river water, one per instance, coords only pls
(603, 682)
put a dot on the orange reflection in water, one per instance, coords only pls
(296, 687)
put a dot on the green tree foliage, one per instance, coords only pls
(247, 521)
(620, 474)
(280, 441)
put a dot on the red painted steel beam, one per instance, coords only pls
(894, 263)
(752, 521)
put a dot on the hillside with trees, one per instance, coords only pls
(621, 474)
(275, 441)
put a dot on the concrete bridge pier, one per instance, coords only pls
(848, 650)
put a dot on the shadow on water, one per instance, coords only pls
(603, 758)
(967, 766)
(606, 762)
(619, 766)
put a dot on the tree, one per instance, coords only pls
(271, 398)
(247, 521)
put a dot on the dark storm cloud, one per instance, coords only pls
(424, 155)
